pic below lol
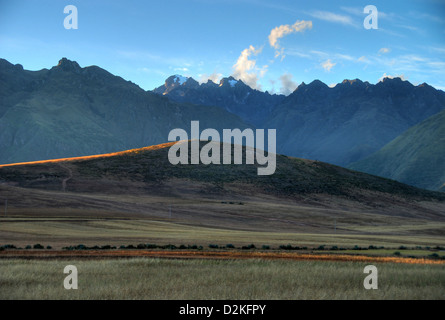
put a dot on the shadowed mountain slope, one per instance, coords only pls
(416, 157)
(352, 120)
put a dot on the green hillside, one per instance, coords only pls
(417, 157)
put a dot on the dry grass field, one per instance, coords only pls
(61, 232)
(149, 278)
(61, 219)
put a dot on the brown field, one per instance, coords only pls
(61, 219)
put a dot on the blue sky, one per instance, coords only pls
(271, 45)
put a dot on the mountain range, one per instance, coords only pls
(350, 121)
(253, 106)
(73, 111)
(339, 125)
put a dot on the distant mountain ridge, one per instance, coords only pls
(338, 125)
(350, 121)
(233, 95)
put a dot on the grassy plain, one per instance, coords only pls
(148, 278)
(67, 231)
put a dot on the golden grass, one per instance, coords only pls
(247, 279)
(97, 156)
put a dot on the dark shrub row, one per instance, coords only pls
(84, 247)
(36, 246)
(289, 247)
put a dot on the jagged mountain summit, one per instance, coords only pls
(177, 81)
(233, 95)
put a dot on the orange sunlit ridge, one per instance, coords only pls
(97, 156)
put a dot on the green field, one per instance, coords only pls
(147, 278)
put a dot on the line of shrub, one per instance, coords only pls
(36, 246)
(227, 246)
(289, 247)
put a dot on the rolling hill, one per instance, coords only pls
(416, 157)
(148, 172)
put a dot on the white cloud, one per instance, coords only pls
(246, 70)
(297, 53)
(344, 57)
(285, 29)
(406, 64)
(281, 31)
(384, 50)
(437, 49)
(333, 17)
(145, 57)
(152, 71)
(337, 56)
(363, 59)
(438, 66)
(184, 69)
(287, 84)
(327, 65)
(319, 53)
(411, 28)
(358, 11)
(215, 77)
(428, 17)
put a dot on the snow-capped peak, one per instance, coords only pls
(180, 79)
(230, 81)
(233, 82)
